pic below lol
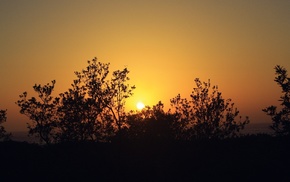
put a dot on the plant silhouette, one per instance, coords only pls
(42, 111)
(206, 115)
(92, 110)
(90, 134)
(150, 124)
(3, 134)
(281, 119)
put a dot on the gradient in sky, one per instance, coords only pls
(165, 44)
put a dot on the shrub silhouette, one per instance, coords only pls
(150, 124)
(280, 119)
(93, 109)
(3, 134)
(206, 115)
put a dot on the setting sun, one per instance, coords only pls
(140, 105)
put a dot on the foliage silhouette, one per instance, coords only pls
(150, 124)
(3, 134)
(41, 111)
(93, 109)
(206, 115)
(280, 119)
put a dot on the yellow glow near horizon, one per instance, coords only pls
(140, 105)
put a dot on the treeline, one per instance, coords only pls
(93, 109)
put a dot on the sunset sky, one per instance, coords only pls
(165, 44)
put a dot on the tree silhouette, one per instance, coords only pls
(205, 115)
(118, 92)
(3, 134)
(73, 123)
(81, 106)
(42, 111)
(281, 119)
(92, 109)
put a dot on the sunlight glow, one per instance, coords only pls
(140, 105)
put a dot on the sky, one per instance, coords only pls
(165, 44)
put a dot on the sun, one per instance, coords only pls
(140, 105)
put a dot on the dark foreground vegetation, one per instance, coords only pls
(86, 135)
(248, 158)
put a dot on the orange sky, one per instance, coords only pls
(165, 44)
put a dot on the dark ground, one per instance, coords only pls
(252, 158)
